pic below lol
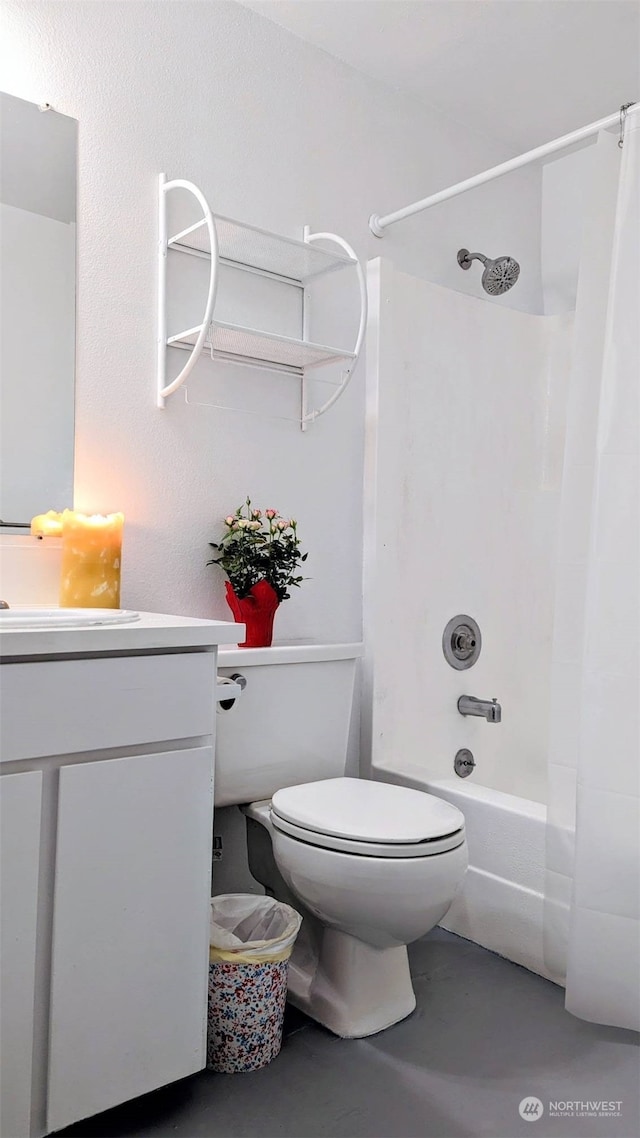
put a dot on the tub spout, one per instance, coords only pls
(488, 709)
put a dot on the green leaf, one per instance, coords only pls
(267, 553)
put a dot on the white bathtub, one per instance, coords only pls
(500, 904)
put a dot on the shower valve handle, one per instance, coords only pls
(464, 641)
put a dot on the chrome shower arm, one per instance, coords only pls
(465, 258)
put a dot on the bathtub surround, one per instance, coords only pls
(466, 426)
(593, 848)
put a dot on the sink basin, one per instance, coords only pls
(38, 616)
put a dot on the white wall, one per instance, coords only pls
(37, 306)
(280, 134)
(466, 417)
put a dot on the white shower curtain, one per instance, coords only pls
(592, 903)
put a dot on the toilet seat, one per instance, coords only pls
(368, 849)
(370, 819)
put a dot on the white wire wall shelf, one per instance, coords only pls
(223, 241)
(231, 340)
(246, 247)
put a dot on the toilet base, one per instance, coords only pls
(350, 987)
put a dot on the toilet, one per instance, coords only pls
(371, 866)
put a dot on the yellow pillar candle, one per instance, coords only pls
(47, 525)
(91, 558)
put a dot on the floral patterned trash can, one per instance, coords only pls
(251, 941)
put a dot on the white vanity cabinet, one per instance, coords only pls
(106, 793)
(20, 810)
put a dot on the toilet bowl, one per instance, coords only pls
(371, 866)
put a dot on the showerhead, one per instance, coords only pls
(498, 276)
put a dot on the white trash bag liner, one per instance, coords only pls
(247, 928)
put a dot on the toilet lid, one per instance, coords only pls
(362, 811)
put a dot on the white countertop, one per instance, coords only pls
(152, 631)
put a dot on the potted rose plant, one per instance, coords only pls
(260, 553)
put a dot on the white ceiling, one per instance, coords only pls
(521, 71)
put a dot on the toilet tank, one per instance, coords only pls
(291, 723)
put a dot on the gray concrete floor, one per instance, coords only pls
(485, 1034)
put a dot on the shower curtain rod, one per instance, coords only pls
(378, 224)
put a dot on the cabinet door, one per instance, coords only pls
(20, 807)
(131, 929)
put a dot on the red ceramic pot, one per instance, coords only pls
(256, 611)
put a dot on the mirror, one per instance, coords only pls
(38, 150)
